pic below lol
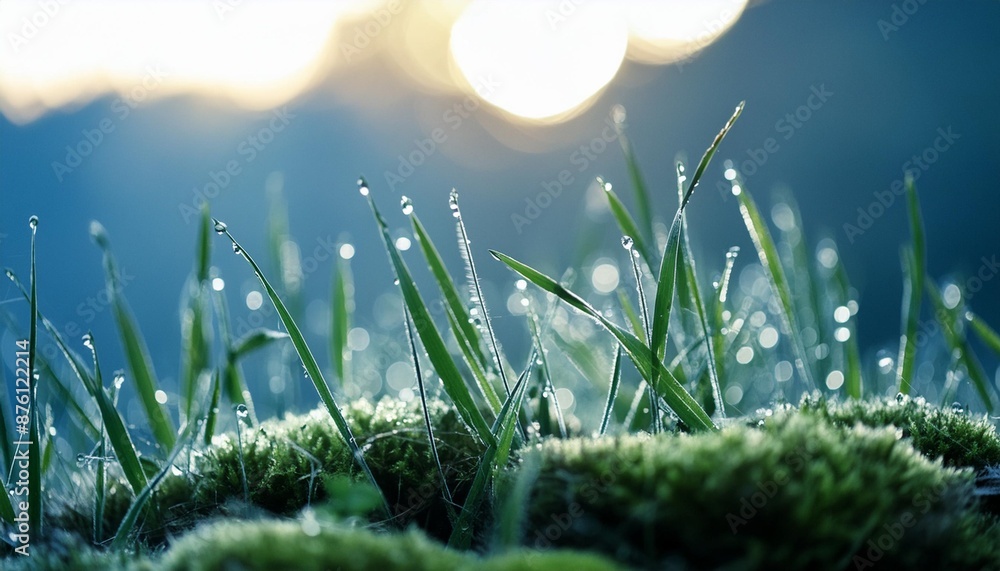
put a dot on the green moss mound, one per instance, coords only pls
(285, 460)
(960, 439)
(269, 545)
(798, 493)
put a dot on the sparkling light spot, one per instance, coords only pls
(218, 284)
(161, 397)
(605, 278)
(744, 355)
(254, 300)
(834, 380)
(783, 371)
(347, 251)
(768, 337)
(357, 339)
(842, 314)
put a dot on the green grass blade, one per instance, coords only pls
(255, 340)
(642, 202)
(340, 319)
(125, 529)
(667, 277)
(100, 492)
(853, 379)
(626, 223)
(631, 315)
(195, 332)
(478, 373)
(958, 344)
(913, 265)
(678, 399)
(309, 363)
(211, 417)
(34, 415)
(118, 435)
(767, 252)
(546, 375)
(428, 333)
(494, 458)
(136, 353)
(987, 334)
(450, 292)
(616, 379)
(233, 384)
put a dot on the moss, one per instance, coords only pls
(267, 545)
(798, 493)
(285, 460)
(60, 551)
(959, 438)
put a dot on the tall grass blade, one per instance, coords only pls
(767, 252)
(913, 287)
(195, 332)
(428, 332)
(666, 280)
(691, 276)
(718, 338)
(340, 319)
(136, 353)
(620, 120)
(118, 435)
(678, 399)
(466, 333)
(548, 389)
(626, 224)
(493, 459)
(616, 379)
(211, 417)
(427, 413)
(987, 334)
(958, 344)
(477, 294)
(128, 523)
(232, 381)
(309, 363)
(853, 379)
(34, 414)
(255, 340)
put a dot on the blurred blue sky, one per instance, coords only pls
(887, 98)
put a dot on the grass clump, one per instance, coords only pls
(960, 439)
(286, 460)
(799, 493)
(268, 545)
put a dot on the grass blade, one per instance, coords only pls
(136, 353)
(195, 332)
(34, 416)
(666, 280)
(767, 252)
(308, 362)
(626, 224)
(428, 332)
(987, 334)
(678, 399)
(212, 415)
(254, 340)
(616, 379)
(232, 380)
(340, 319)
(494, 458)
(477, 293)
(619, 118)
(118, 435)
(913, 287)
(958, 344)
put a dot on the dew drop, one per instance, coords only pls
(733, 252)
(957, 408)
(33, 222)
(627, 242)
(88, 340)
(10, 274)
(242, 411)
(453, 203)
(407, 205)
(119, 379)
(363, 187)
(236, 249)
(618, 115)
(81, 459)
(395, 281)
(220, 226)
(900, 398)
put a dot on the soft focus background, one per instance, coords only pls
(133, 114)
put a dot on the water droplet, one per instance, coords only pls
(733, 252)
(957, 408)
(604, 184)
(220, 226)
(10, 274)
(900, 398)
(407, 205)
(33, 222)
(395, 281)
(81, 459)
(627, 242)
(618, 115)
(363, 186)
(453, 203)
(236, 249)
(119, 379)
(88, 341)
(242, 411)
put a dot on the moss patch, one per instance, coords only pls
(798, 493)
